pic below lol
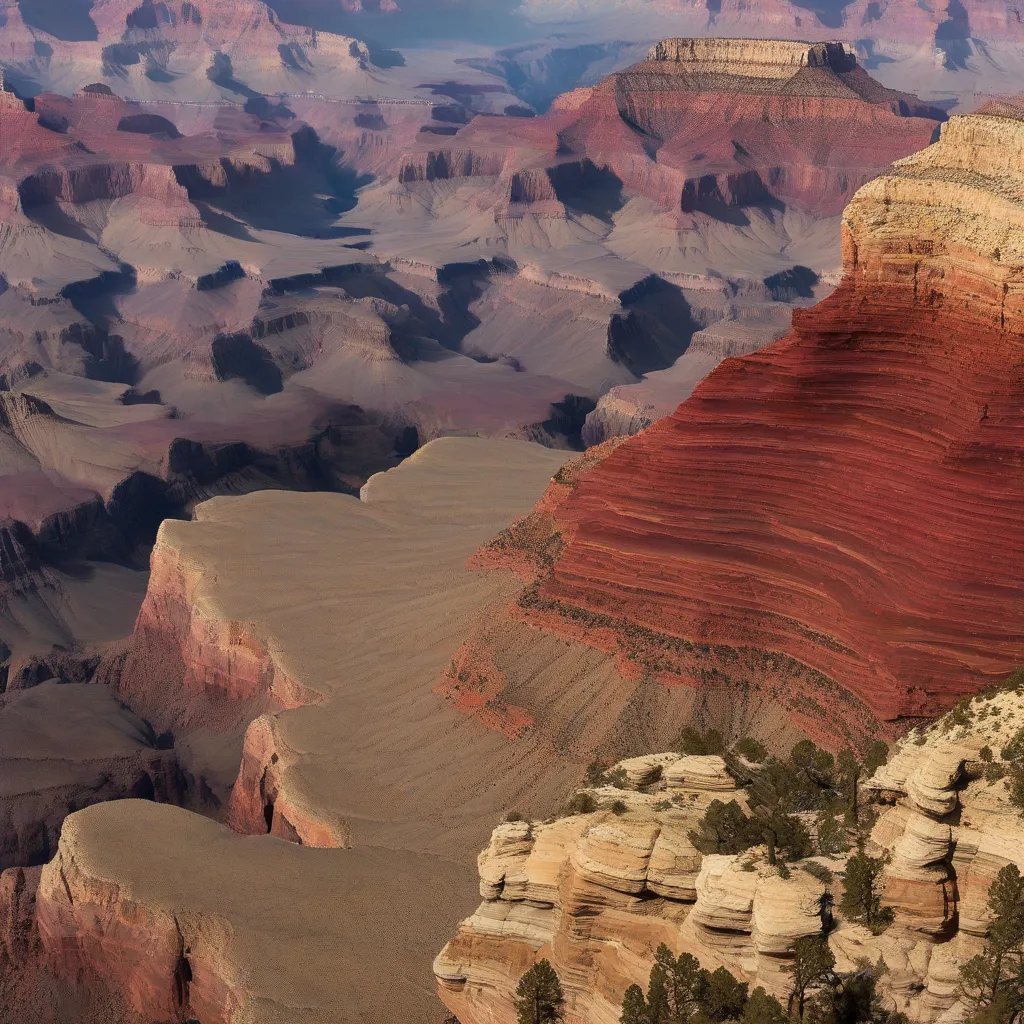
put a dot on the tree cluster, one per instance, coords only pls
(821, 995)
(680, 991)
(810, 779)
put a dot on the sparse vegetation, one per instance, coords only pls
(511, 816)
(811, 779)
(581, 803)
(618, 807)
(749, 748)
(680, 991)
(992, 982)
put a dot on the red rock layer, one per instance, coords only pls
(473, 683)
(838, 515)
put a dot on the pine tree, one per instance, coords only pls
(848, 774)
(723, 829)
(721, 996)
(762, 1008)
(862, 900)
(539, 998)
(634, 1007)
(812, 966)
(772, 797)
(992, 983)
(675, 987)
(831, 836)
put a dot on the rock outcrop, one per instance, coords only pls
(597, 893)
(708, 127)
(817, 520)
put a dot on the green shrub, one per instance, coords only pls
(618, 807)
(831, 835)
(1015, 748)
(693, 742)
(819, 871)
(581, 803)
(750, 749)
(985, 753)
(511, 816)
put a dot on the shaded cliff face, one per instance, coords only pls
(834, 518)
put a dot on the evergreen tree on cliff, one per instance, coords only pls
(634, 1007)
(812, 967)
(992, 983)
(539, 997)
(862, 899)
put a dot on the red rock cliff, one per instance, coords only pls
(837, 517)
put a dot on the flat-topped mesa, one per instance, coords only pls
(946, 225)
(753, 58)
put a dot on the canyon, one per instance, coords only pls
(335, 675)
(393, 423)
(212, 283)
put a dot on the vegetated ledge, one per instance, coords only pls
(596, 890)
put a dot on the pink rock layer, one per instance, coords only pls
(180, 669)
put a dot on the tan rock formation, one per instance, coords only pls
(620, 885)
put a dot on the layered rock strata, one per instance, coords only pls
(702, 127)
(597, 893)
(817, 520)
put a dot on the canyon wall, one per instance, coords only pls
(834, 519)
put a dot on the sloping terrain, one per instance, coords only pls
(819, 520)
